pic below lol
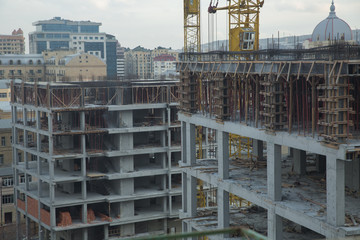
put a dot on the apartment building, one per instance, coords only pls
(12, 44)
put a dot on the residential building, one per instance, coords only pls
(12, 44)
(5, 109)
(105, 160)
(139, 61)
(164, 66)
(83, 36)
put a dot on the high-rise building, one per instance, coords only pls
(12, 44)
(83, 36)
(120, 61)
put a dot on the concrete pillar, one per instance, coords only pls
(275, 226)
(52, 217)
(184, 192)
(85, 234)
(191, 196)
(84, 213)
(258, 149)
(106, 232)
(335, 190)
(274, 171)
(223, 209)
(223, 154)
(190, 144)
(299, 161)
(183, 142)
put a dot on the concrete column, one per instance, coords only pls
(183, 142)
(223, 154)
(27, 227)
(191, 196)
(206, 142)
(275, 226)
(106, 232)
(52, 235)
(274, 171)
(190, 144)
(335, 190)
(223, 209)
(52, 217)
(184, 192)
(85, 234)
(84, 213)
(258, 149)
(299, 161)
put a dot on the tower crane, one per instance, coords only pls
(243, 24)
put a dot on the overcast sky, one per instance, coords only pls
(152, 23)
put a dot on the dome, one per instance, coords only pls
(332, 28)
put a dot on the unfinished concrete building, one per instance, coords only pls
(300, 111)
(103, 160)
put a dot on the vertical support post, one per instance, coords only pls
(223, 154)
(223, 209)
(191, 196)
(274, 171)
(335, 190)
(275, 225)
(190, 144)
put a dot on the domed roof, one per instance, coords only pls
(332, 28)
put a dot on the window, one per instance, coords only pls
(31, 62)
(39, 62)
(33, 157)
(3, 141)
(1, 159)
(11, 62)
(30, 138)
(22, 179)
(7, 181)
(8, 217)
(18, 62)
(19, 157)
(74, 37)
(21, 138)
(7, 199)
(39, 71)
(3, 95)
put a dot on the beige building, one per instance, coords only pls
(68, 66)
(29, 67)
(52, 66)
(12, 44)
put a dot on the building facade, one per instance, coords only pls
(164, 66)
(53, 66)
(83, 36)
(120, 61)
(139, 62)
(105, 159)
(12, 44)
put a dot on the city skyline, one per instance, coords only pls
(160, 22)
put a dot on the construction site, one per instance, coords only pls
(270, 138)
(266, 142)
(103, 159)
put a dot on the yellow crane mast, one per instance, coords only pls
(192, 41)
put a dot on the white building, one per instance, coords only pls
(164, 66)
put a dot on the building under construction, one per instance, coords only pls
(102, 157)
(270, 138)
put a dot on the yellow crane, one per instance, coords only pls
(192, 41)
(243, 23)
